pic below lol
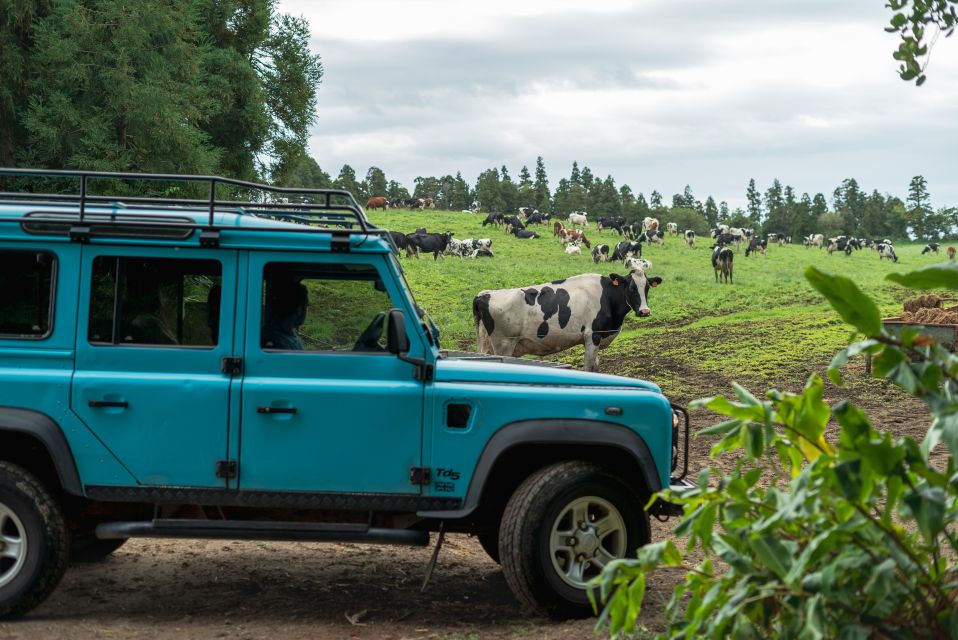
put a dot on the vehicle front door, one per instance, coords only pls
(324, 407)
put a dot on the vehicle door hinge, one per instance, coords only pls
(339, 244)
(424, 372)
(226, 469)
(420, 476)
(231, 366)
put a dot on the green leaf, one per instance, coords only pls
(855, 307)
(773, 553)
(927, 505)
(930, 277)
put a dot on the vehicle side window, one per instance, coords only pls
(155, 301)
(323, 307)
(26, 282)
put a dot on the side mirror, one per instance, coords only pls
(397, 342)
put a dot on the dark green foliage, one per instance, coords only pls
(204, 86)
(847, 539)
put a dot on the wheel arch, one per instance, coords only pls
(521, 448)
(32, 440)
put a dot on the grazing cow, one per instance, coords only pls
(579, 217)
(434, 243)
(725, 239)
(528, 211)
(931, 247)
(672, 228)
(841, 243)
(626, 249)
(522, 234)
(776, 237)
(415, 203)
(557, 228)
(428, 203)
(377, 202)
(600, 253)
(951, 253)
(396, 203)
(690, 238)
(513, 222)
(573, 248)
(615, 224)
(632, 231)
(493, 218)
(722, 258)
(399, 239)
(756, 246)
(574, 235)
(740, 234)
(887, 251)
(650, 236)
(814, 240)
(635, 264)
(536, 218)
(650, 224)
(544, 319)
(719, 230)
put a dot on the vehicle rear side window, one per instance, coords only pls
(155, 301)
(26, 305)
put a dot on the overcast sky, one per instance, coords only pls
(658, 93)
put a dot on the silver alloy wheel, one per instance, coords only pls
(588, 534)
(13, 545)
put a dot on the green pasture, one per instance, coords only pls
(768, 324)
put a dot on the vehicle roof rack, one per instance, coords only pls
(335, 211)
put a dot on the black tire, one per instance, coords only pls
(526, 527)
(86, 547)
(46, 536)
(489, 540)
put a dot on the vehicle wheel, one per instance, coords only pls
(86, 547)
(34, 542)
(489, 540)
(560, 528)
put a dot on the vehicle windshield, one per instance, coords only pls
(424, 317)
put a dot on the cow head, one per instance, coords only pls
(637, 285)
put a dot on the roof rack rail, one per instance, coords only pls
(325, 206)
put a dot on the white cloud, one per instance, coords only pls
(658, 94)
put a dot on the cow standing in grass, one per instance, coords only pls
(690, 238)
(544, 319)
(722, 258)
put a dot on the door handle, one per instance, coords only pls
(275, 409)
(100, 404)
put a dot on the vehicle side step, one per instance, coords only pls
(259, 530)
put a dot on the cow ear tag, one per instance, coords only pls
(615, 282)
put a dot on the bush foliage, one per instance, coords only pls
(849, 539)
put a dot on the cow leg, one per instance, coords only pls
(591, 354)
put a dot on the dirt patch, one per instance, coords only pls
(186, 589)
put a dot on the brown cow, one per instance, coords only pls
(557, 228)
(428, 203)
(951, 253)
(377, 202)
(573, 235)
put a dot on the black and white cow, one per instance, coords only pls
(399, 239)
(513, 222)
(600, 253)
(814, 240)
(522, 234)
(415, 203)
(537, 218)
(544, 319)
(672, 228)
(887, 251)
(528, 211)
(470, 247)
(653, 237)
(626, 249)
(931, 247)
(722, 258)
(615, 224)
(690, 238)
(756, 246)
(496, 219)
(632, 231)
(777, 237)
(434, 243)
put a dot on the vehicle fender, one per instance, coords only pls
(553, 431)
(44, 429)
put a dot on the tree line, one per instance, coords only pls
(222, 87)
(779, 209)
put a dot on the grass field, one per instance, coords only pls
(768, 326)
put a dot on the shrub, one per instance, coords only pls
(853, 539)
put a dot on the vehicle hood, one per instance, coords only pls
(452, 369)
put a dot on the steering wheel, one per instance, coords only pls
(369, 339)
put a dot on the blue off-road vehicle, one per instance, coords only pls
(209, 358)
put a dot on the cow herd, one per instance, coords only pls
(589, 309)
